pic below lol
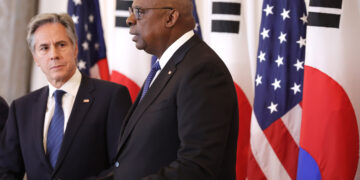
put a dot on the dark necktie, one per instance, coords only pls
(155, 67)
(56, 129)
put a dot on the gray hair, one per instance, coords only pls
(45, 18)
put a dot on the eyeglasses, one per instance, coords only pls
(138, 12)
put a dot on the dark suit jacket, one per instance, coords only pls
(4, 110)
(186, 125)
(89, 144)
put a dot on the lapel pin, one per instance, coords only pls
(86, 100)
(169, 72)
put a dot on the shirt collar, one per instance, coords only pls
(71, 86)
(169, 52)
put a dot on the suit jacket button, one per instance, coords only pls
(117, 164)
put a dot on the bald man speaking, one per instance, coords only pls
(183, 124)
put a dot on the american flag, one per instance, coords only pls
(275, 128)
(92, 50)
(197, 22)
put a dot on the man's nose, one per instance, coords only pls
(130, 21)
(54, 54)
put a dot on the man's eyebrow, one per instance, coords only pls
(44, 44)
(57, 42)
(137, 7)
(61, 41)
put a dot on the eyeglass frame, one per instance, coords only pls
(137, 11)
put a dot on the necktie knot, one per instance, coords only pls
(58, 94)
(154, 68)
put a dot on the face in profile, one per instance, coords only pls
(146, 23)
(54, 53)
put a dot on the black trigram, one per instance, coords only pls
(225, 26)
(325, 19)
(122, 5)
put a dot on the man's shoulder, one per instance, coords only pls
(105, 84)
(2, 101)
(35, 93)
(201, 58)
(105, 90)
(202, 48)
(200, 54)
(32, 96)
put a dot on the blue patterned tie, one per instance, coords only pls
(56, 129)
(155, 67)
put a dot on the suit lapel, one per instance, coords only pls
(157, 86)
(82, 104)
(38, 116)
(127, 117)
(130, 112)
(151, 95)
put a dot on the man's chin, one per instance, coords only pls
(57, 78)
(61, 77)
(139, 46)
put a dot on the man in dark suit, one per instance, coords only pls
(185, 125)
(68, 129)
(4, 110)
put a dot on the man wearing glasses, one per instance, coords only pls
(183, 124)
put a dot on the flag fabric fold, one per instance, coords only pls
(329, 142)
(276, 119)
(91, 44)
(223, 26)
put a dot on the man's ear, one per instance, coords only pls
(35, 59)
(76, 50)
(172, 18)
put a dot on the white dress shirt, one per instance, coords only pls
(170, 51)
(71, 88)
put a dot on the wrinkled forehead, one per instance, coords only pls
(149, 3)
(51, 32)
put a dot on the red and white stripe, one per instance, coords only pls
(275, 150)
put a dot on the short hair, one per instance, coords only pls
(45, 18)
